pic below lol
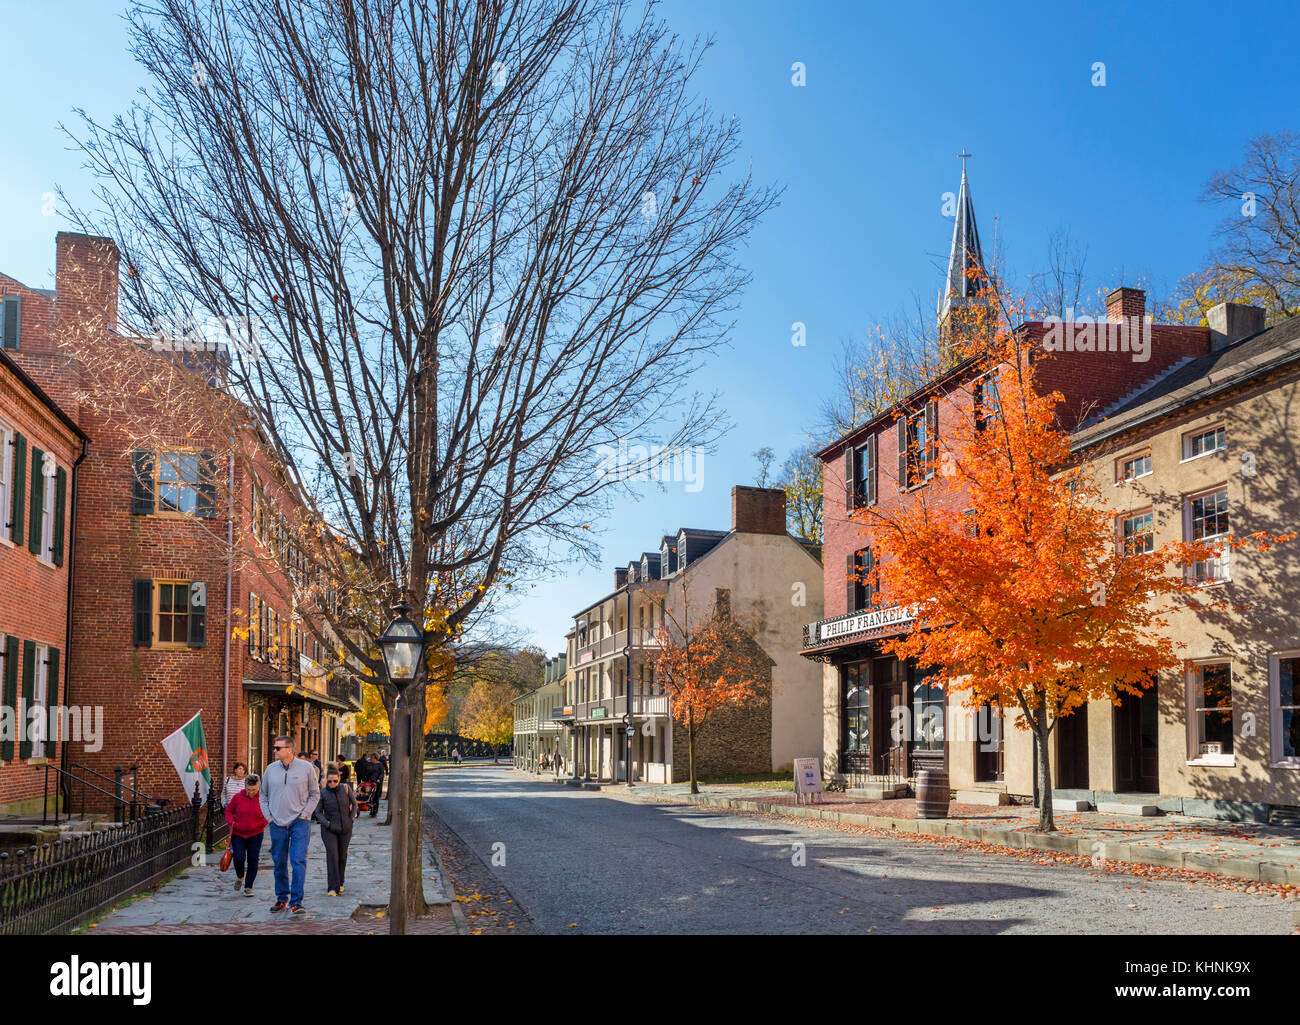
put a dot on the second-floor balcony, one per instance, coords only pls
(612, 709)
(617, 643)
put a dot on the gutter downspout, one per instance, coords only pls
(230, 559)
(72, 568)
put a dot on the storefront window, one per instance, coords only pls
(927, 713)
(857, 711)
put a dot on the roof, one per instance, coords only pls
(1199, 378)
(966, 258)
(35, 389)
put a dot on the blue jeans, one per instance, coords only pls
(289, 845)
(246, 849)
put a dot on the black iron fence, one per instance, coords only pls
(848, 772)
(54, 887)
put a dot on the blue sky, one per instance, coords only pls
(865, 150)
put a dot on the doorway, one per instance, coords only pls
(1072, 750)
(1137, 748)
(989, 745)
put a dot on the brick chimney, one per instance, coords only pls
(757, 510)
(1126, 302)
(86, 285)
(620, 577)
(1231, 322)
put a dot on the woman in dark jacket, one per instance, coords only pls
(336, 812)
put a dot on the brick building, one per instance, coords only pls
(177, 607)
(889, 460)
(41, 448)
(762, 573)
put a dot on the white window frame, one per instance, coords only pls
(47, 514)
(1120, 478)
(1121, 540)
(1193, 691)
(1199, 432)
(7, 455)
(1223, 559)
(1276, 758)
(40, 695)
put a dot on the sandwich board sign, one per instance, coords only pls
(807, 780)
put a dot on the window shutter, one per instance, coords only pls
(902, 452)
(872, 460)
(52, 683)
(10, 690)
(205, 506)
(12, 321)
(931, 437)
(19, 497)
(36, 508)
(143, 613)
(60, 498)
(851, 590)
(29, 692)
(142, 486)
(868, 567)
(979, 404)
(849, 456)
(198, 614)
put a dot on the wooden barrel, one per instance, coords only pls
(931, 794)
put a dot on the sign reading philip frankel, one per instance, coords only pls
(865, 621)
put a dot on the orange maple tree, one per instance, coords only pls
(1008, 556)
(705, 662)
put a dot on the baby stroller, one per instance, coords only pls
(367, 795)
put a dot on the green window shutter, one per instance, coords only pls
(205, 506)
(29, 692)
(36, 508)
(60, 499)
(198, 614)
(143, 613)
(19, 499)
(10, 691)
(849, 456)
(12, 324)
(52, 682)
(142, 486)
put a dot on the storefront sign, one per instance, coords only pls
(598, 712)
(864, 621)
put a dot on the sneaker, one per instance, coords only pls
(331, 893)
(279, 906)
(248, 893)
(298, 909)
(340, 889)
(239, 884)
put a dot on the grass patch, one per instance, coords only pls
(762, 780)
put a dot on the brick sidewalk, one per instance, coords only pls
(202, 899)
(1261, 854)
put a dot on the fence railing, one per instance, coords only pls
(849, 772)
(54, 887)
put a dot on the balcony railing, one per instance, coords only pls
(615, 644)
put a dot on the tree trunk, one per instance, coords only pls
(1046, 823)
(690, 744)
(415, 868)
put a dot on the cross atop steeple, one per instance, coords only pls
(963, 156)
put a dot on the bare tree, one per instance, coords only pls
(481, 243)
(1058, 290)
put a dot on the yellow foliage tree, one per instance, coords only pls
(487, 714)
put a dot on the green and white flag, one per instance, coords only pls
(188, 750)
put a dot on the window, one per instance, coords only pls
(988, 402)
(53, 480)
(170, 613)
(1207, 521)
(1211, 712)
(860, 474)
(856, 740)
(927, 713)
(861, 580)
(38, 693)
(1133, 467)
(7, 443)
(183, 483)
(1137, 533)
(1284, 680)
(1202, 443)
(918, 446)
(254, 626)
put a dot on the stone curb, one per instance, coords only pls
(1056, 843)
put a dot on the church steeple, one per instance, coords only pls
(961, 284)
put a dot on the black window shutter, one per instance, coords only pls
(198, 614)
(12, 321)
(18, 501)
(52, 682)
(142, 487)
(868, 584)
(850, 456)
(143, 613)
(931, 437)
(10, 690)
(851, 592)
(60, 498)
(902, 453)
(205, 507)
(29, 692)
(872, 452)
(979, 405)
(36, 508)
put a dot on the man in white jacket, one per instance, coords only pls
(290, 793)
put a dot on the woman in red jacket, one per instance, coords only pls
(247, 824)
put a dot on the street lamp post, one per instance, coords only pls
(402, 644)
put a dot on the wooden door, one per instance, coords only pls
(1137, 749)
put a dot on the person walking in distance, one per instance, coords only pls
(376, 768)
(336, 813)
(290, 793)
(247, 828)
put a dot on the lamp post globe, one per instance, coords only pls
(402, 644)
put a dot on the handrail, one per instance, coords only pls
(134, 790)
(118, 801)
